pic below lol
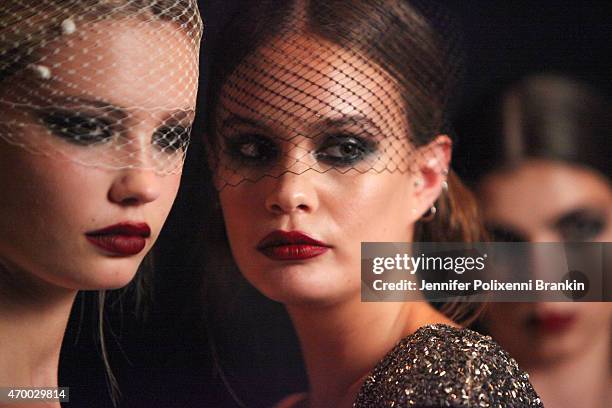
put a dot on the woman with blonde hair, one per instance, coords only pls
(97, 101)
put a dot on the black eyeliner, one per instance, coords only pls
(63, 124)
(366, 147)
(268, 150)
(178, 142)
(581, 225)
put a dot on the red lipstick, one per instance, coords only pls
(554, 322)
(124, 239)
(290, 246)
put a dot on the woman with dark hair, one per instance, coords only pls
(97, 100)
(542, 169)
(327, 127)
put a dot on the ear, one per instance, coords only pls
(433, 164)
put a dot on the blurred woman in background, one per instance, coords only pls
(540, 158)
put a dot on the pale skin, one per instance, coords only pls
(50, 201)
(341, 207)
(547, 201)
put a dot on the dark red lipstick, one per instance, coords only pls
(124, 239)
(291, 246)
(554, 322)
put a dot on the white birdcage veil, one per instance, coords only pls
(63, 64)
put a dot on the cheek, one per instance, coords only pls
(379, 208)
(45, 207)
(597, 315)
(37, 187)
(170, 185)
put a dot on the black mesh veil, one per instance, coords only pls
(65, 64)
(349, 86)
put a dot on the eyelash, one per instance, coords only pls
(578, 227)
(361, 149)
(502, 234)
(77, 128)
(179, 141)
(582, 227)
(85, 130)
(264, 151)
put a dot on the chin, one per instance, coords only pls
(113, 274)
(564, 343)
(306, 288)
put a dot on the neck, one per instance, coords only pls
(33, 319)
(340, 349)
(585, 378)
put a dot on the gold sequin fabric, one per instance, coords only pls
(443, 366)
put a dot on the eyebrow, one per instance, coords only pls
(239, 120)
(361, 121)
(182, 115)
(324, 122)
(71, 102)
(506, 230)
(117, 111)
(575, 214)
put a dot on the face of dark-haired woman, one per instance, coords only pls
(314, 158)
(545, 201)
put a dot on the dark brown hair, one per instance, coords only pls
(415, 42)
(543, 116)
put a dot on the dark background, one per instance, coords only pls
(168, 360)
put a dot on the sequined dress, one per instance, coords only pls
(443, 366)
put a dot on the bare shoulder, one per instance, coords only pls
(441, 365)
(292, 401)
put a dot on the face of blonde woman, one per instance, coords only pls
(545, 201)
(311, 156)
(89, 227)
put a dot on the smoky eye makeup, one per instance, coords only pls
(502, 233)
(76, 127)
(251, 149)
(171, 138)
(345, 149)
(347, 140)
(581, 225)
(339, 142)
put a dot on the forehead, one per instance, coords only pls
(125, 61)
(297, 79)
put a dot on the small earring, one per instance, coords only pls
(445, 186)
(418, 183)
(445, 181)
(430, 214)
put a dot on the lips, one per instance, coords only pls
(291, 246)
(554, 322)
(124, 239)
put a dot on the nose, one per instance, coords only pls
(292, 193)
(135, 187)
